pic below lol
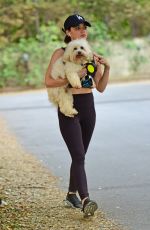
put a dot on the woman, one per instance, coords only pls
(77, 131)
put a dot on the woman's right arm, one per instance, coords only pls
(49, 81)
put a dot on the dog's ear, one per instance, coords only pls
(66, 55)
(89, 51)
(90, 56)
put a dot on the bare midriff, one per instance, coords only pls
(81, 90)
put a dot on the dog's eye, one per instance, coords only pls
(75, 48)
(82, 48)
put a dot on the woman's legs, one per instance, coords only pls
(87, 126)
(77, 133)
(72, 134)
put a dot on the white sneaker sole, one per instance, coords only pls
(90, 209)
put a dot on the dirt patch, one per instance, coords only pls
(34, 201)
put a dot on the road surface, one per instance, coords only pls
(118, 160)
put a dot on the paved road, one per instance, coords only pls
(118, 160)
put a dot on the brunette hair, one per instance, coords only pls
(67, 39)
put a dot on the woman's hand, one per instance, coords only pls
(101, 76)
(64, 81)
(82, 72)
(101, 60)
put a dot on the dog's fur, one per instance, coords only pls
(77, 53)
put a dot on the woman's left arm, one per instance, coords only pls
(101, 78)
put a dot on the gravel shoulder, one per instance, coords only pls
(34, 201)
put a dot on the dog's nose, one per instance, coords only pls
(79, 52)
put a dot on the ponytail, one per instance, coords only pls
(67, 39)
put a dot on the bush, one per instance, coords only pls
(25, 63)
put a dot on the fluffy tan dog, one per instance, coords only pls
(77, 53)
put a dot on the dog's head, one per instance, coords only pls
(78, 51)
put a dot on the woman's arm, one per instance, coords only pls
(101, 79)
(49, 81)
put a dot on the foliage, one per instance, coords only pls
(24, 64)
(136, 62)
(23, 18)
(137, 58)
(30, 31)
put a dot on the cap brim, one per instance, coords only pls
(76, 24)
(84, 22)
(87, 23)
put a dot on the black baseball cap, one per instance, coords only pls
(73, 21)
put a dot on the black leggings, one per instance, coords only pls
(77, 133)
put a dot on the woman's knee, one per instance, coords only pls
(78, 159)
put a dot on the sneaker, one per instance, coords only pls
(89, 207)
(73, 201)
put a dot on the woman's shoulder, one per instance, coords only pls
(58, 52)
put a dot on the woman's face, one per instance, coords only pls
(77, 32)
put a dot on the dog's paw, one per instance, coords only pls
(75, 112)
(76, 85)
(71, 113)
